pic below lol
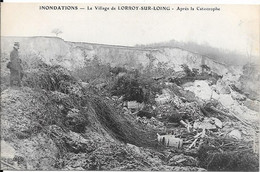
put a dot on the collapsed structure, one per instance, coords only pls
(193, 119)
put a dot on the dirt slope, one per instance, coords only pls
(45, 123)
(53, 50)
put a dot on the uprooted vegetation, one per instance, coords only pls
(224, 154)
(107, 118)
(52, 104)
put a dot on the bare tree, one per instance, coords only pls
(56, 31)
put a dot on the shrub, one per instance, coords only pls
(236, 156)
(186, 69)
(135, 86)
(51, 78)
(93, 71)
(129, 87)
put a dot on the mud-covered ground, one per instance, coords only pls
(57, 122)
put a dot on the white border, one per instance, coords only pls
(144, 1)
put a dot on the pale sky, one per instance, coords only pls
(234, 27)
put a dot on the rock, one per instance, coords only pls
(236, 134)
(146, 114)
(145, 121)
(133, 147)
(204, 124)
(225, 90)
(73, 113)
(125, 109)
(188, 168)
(208, 123)
(84, 84)
(74, 169)
(188, 84)
(165, 97)
(159, 116)
(162, 100)
(222, 87)
(202, 90)
(187, 95)
(134, 105)
(237, 96)
(101, 86)
(160, 124)
(168, 83)
(177, 101)
(218, 123)
(153, 119)
(227, 100)
(182, 160)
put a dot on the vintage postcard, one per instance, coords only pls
(131, 86)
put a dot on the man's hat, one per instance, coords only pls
(17, 44)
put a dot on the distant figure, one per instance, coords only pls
(15, 67)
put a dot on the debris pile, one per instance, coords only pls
(208, 123)
(56, 122)
(227, 154)
(151, 123)
(183, 160)
(217, 112)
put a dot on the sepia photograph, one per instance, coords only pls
(130, 87)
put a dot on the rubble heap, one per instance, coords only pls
(54, 122)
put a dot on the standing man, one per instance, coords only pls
(15, 66)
